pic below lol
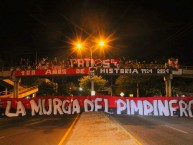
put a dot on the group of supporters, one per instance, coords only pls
(56, 63)
(43, 63)
(138, 64)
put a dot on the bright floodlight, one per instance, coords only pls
(79, 45)
(101, 43)
(122, 94)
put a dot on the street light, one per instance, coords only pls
(122, 94)
(79, 45)
(101, 44)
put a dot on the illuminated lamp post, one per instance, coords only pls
(101, 44)
(79, 45)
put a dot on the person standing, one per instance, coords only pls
(1, 109)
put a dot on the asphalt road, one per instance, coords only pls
(37, 130)
(151, 130)
(49, 130)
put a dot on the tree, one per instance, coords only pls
(85, 83)
(148, 85)
(47, 89)
(70, 89)
(30, 81)
(122, 84)
(182, 86)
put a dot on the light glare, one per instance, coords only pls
(101, 43)
(79, 45)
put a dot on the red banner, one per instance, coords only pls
(156, 106)
(49, 72)
(85, 71)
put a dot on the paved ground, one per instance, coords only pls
(36, 130)
(95, 128)
(158, 130)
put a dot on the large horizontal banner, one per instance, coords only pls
(156, 106)
(86, 71)
(120, 71)
(50, 72)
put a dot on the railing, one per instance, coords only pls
(6, 68)
(6, 92)
(137, 65)
(186, 67)
(9, 94)
(27, 89)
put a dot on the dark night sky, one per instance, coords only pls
(144, 30)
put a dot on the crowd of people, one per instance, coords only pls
(138, 64)
(43, 63)
(56, 63)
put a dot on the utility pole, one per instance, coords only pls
(137, 89)
(92, 74)
(168, 84)
(111, 87)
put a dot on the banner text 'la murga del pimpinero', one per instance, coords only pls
(155, 106)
